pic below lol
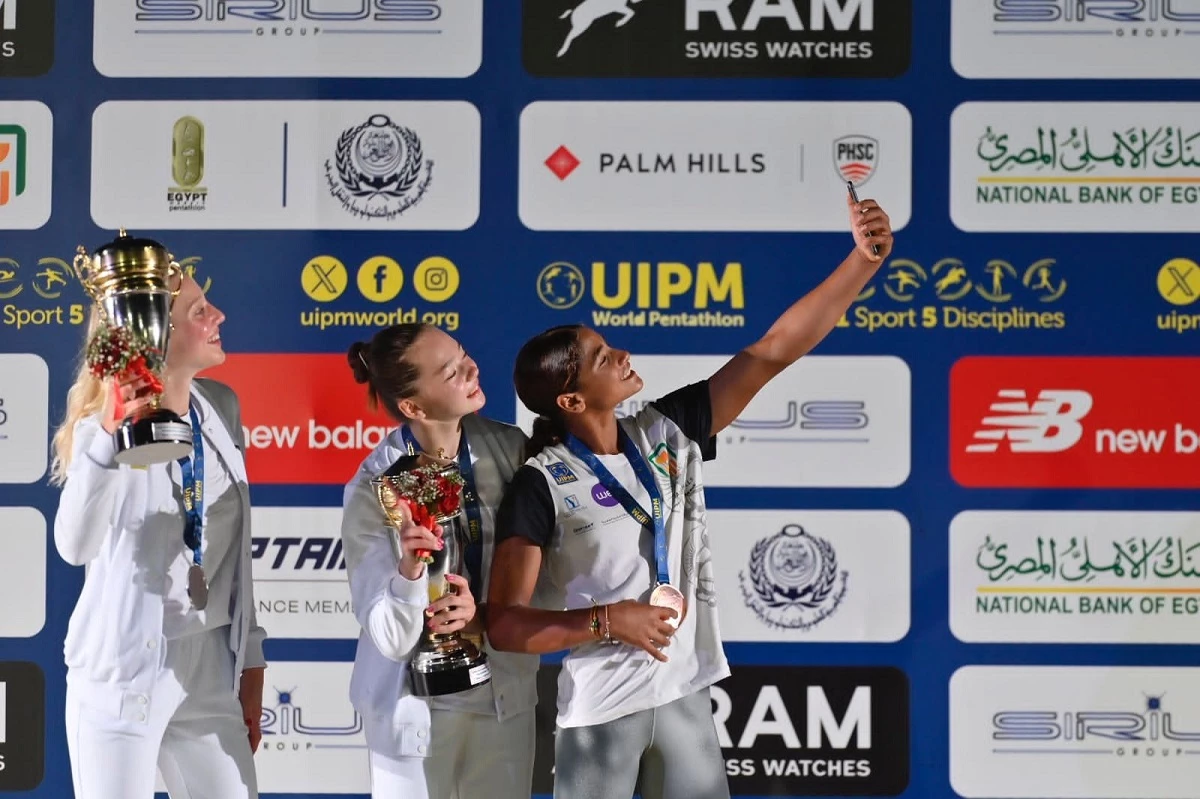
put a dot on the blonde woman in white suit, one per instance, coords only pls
(153, 681)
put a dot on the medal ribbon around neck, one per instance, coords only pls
(657, 521)
(473, 555)
(193, 490)
(193, 504)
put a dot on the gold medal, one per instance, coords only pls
(666, 595)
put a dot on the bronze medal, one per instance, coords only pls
(197, 587)
(666, 595)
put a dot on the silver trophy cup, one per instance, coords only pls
(133, 283)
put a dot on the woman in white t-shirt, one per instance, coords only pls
(609, 514)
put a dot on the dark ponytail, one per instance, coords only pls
(380, 364)
(547, 366)
(547, 431)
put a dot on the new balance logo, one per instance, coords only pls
(1048, 424)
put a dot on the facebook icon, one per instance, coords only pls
(380, 276)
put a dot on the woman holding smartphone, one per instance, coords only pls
(610, 513)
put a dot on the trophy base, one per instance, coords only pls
(158, 437)
(447, 665)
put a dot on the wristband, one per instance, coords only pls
(595, 622)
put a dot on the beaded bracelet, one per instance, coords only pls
(595, 623)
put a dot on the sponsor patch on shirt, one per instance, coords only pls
(561, 473)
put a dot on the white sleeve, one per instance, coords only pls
(87, 508)
(390, 607)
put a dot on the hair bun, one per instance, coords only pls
(356, 356)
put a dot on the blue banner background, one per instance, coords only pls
(1111, 306)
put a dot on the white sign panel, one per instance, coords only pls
(1075, 167)
(305, 165)
(711, 165)
(312, 737)
(24, 417)
(22, 574)
(1113, 577)
(1074, 732)
(826, 421)
(26, 159)
(1128, 39)
(300, 584)
(811, 575)
(288, 38)
(312, 740)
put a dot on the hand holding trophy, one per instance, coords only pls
(428, 492)
(130, 282)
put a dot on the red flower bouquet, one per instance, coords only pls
(431, 494)
(117, 352)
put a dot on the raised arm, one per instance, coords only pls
(87, 508)
(806, 322)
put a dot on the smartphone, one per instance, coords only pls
(854, 197)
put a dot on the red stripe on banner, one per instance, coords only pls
(306, 421)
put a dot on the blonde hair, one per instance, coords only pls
(86, 397)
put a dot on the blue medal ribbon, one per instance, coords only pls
(193, 490)
(657, 520)
(474, 553)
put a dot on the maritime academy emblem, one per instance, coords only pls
(793, 581)
(379, 169)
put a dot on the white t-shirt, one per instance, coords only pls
(592, 549)
(220, 534)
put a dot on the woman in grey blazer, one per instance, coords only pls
(479, 742)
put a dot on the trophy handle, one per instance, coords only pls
(82, 267)
(394, 515)
(176, 270)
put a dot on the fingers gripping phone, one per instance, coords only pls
(854, 197)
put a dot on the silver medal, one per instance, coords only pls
(197, 587)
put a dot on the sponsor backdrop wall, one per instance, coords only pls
(960, 536)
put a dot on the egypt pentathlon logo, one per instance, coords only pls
(793, 581)
(379, 169)
(187, 166)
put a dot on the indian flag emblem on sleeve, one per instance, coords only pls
(664, 461)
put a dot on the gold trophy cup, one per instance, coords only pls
(444, 663)
(130, 282)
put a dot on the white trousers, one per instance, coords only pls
(470, 756)
(192, 732)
